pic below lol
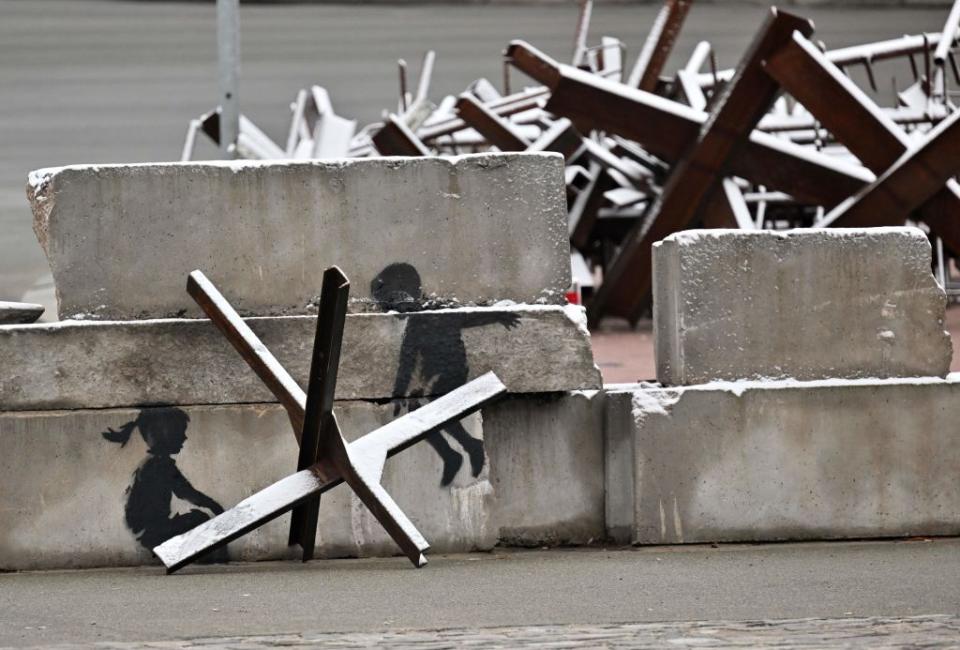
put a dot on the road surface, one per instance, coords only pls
(561, 587)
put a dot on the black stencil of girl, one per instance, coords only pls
(158, 478)
(433, 343)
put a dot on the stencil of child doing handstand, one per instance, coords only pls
(158, 479)
(433, 344)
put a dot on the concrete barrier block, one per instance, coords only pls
(476, 229)
(84, 488)
(804, 304)
(768, 461)
(546, 466)
(73, 365)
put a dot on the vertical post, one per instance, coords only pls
(228, 54)
(580, 37)
(948, 36)
(941, 265)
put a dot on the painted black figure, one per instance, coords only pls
(434, 345)
(158, 479)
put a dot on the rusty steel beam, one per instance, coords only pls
(561, 137)
(395, 139)
(666, 129)
(915, 178)
(498, 131)
(837, 103)
(359, 464)
(866, 130)
(627, 283)
(586, 207)
(855, 54)
(318, 420)
(371, 451)
(656, 49)
(503, 107)
(248, 345)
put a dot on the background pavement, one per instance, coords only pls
(98, 81)
(583, 587)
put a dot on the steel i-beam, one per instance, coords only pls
(866, 130)
(747, 98)
(359, 464)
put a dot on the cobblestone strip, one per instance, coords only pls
(913, 632)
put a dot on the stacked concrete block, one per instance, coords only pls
(800, 304)
(853, 437)
(120, 239)
(118, 430)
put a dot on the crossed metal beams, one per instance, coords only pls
(700, 170)
(872, 136)
(325, 459)
(704, 149)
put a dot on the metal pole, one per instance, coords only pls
(580, 37)
(941, 265)
(228, 51)
(948, 35)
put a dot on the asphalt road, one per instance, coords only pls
(85, 81)
(587, 586)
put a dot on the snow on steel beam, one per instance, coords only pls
(949, 35)
(656, 49)
(915, 178)
(837, 103)
(498, 131)
(586, 207)
(562, 137)
(866, 53)
(881, 50)
(395, 139)
(516, 103)
(626, 287)
(583, 28)
(856, 121)
(666, 129)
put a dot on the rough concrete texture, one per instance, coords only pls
(66, 486)
(755, 461)
(542, 447)
(71, 365)
(803, 304)
(121, 239)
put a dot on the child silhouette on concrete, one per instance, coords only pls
(158, 478)
(433, 343)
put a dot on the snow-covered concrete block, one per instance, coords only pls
(72, 365)
(785, 460)
(804, 304)
(476, 229)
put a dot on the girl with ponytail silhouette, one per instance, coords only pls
(158, 479)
